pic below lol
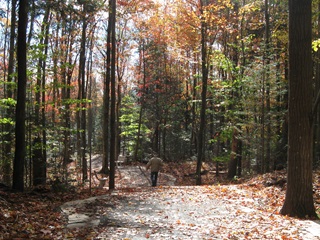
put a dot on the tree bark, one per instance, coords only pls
(267, 77)
(201, 138)
(20, 151)
(316, 109)
(9, 94)
(233, 163)
(113, 125)
(39, 154)
(83, 99)
(137, 145)
(299, 194)
(106, 104)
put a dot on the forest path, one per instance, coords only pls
(138, 211)
(132, 176)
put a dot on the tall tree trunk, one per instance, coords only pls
(156, 137)
(261, 166)
(32, 12)
(164, 135)
(55, 74)
(201, 138)
(282, 102)
(194, 141)
(43, 111)
(113, 125)
(83, 100)
(20, 147)
(91, 86)
(239, 158)
(80, 99)
(66, 95)
(118, 123)
(106, 108)
(299, 195)
(9, 94)
(39, 153)
(233, 162)
(118, 104)
(187, 108)
(267, 74)
(137, 145)
(106, 103)
(121, 66)
(81, 114)
(316, 109)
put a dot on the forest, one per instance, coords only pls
(223, 82)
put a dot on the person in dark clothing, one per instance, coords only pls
(155, 165)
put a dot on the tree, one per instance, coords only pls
(204, 62)
(9, 94)
(113, 130)
(316, 107)
(299, 195)
(81, 116)
(106, 104)
(39, 143)
(19, 157)
(142, 69)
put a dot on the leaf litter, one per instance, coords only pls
(244, 209)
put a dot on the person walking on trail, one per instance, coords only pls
(155, 165)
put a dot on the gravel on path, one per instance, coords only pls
(138, 211)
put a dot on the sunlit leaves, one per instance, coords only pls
(251, 7)
(221, 61)
(316, 45)
(129, 120)
(6, 121)
(7, 102)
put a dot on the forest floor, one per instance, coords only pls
(176, 209)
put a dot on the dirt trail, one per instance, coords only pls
(197, 213)
(170, 212)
